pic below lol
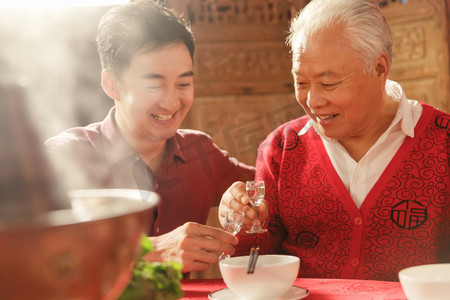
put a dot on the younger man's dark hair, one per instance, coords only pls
(139, 24)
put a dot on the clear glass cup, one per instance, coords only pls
(255, 192)
(233, 224)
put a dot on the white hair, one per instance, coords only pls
(363, 23)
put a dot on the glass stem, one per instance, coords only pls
(256, 222)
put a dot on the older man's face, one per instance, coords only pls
(333, 89)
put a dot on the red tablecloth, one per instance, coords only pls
(319, 289)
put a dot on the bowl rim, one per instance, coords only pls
(137, 201)
(406, 273)
(293, 259)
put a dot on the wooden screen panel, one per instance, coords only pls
(240, 123)
(420, 50)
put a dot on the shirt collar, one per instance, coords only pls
(173, 149)
(405, 112)
(115, 148)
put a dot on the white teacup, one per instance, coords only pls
(274, 276)
(430, 282)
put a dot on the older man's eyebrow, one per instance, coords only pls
(327, 74)
(187, 74)
(322, 74)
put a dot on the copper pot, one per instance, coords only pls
(80, 253)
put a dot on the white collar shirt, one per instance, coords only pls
(360, 177)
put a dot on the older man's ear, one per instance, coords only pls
(382, 65)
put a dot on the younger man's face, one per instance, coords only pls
(156, 92)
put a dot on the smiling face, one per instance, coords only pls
(334, 90)
(154, 94)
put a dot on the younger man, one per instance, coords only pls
(146, 53)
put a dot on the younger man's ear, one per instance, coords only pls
(109, 84)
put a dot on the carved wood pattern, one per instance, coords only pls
(243, 68)
(420, 50)
(409, 43)
(240, 123)
(223, 12)
(240, 45)
(244, 60)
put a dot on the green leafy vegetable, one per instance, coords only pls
(158, 281)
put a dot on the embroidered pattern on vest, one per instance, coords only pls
(307, 239)
(409, 214)
(443, 122)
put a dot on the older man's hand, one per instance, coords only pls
(235, 198)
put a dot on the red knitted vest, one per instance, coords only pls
(404, 220)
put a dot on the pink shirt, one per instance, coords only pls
(192, 177)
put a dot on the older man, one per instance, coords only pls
(360, 186)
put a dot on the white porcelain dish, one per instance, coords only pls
(295, 293)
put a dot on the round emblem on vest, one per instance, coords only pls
(307, 239)
(409, 214)
(443, 122)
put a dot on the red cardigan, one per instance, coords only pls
(404, 220)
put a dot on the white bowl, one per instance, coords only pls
(273, 276)
(431, 282)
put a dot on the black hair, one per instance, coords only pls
(139, 24)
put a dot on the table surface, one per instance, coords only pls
(319, 289)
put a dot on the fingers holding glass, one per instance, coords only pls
(233, 224)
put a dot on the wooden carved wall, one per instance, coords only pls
(420, 49)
